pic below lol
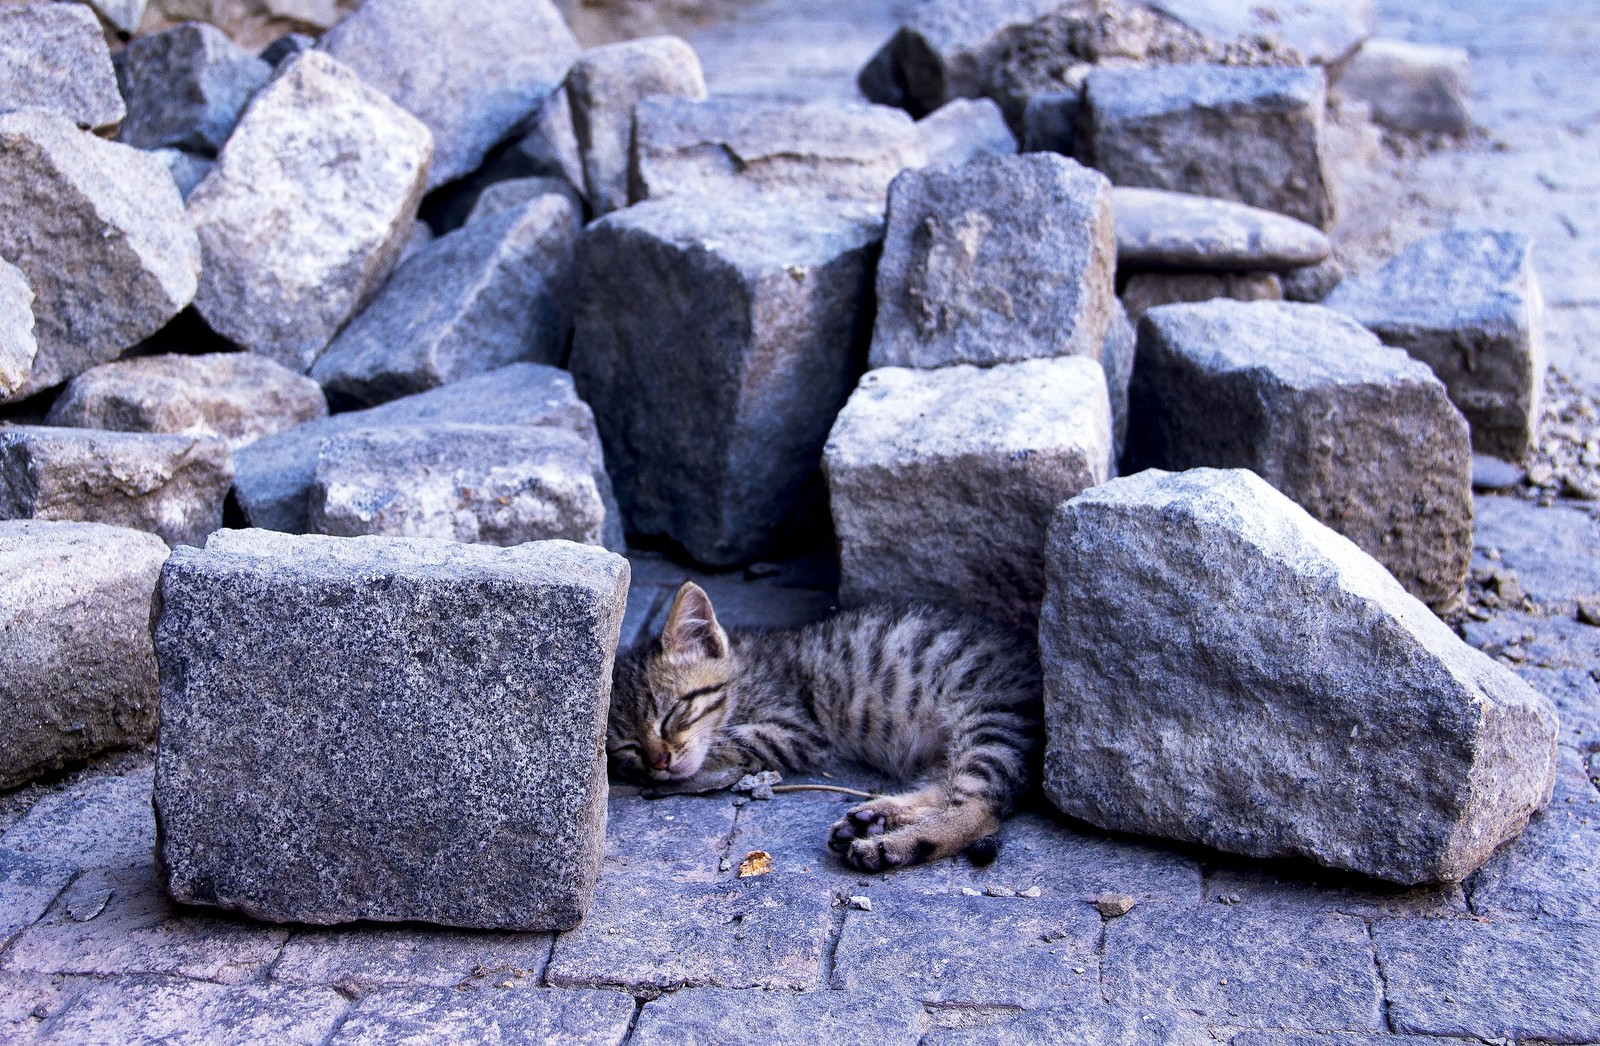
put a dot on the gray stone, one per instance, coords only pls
(919, 460)
(1117, 357)
(819, 149)
(1236, 966)
(185, 87)
(99, 822)
(966, 129)
(550, 148)
(17, 344)
(1414, 88)
(27, 886)
(1361, 436)
(124, 15)
(578, 1018)
(1493, 475)
(1073, 863)
(679, 838)
(174, 1011)
(54, 57)
(1312, 283)
(1254, 136)
(1492, 980)
(27, 1000)
(712, 1015)
(516, 644)
(648, 934)
(86, 216)
(237, 397)
(971, 951)
(717, 340)
(1084, 1025)
(187, 169)
(1552, 870)
(1554, 552)
(1467, 303)
(1178, 230)
(472, 72)
(1293, 699)
(273, 476)
(1308, 889)
(1541, 641)
(998, 260)
(793, 830)
(1148, 290)
(79, 675)
(369, 958)
(1050, 122)
(494, 292)
(602, 89)
(171, 486)
(140, 931)
(514, 193)
(286, 47)
(1576, 694)
(477, 484)
(307, 211)
(1279, 1038)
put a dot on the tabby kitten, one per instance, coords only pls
(922, 693)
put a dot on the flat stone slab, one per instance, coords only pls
(102, 822)
(27, 886)
(998, 260)
(677, 838)
(370, 958)
(469, 71)
(171, 486)
(1554, 552)
(453, 643)
(1293, 699)
(307, 211)
(173, 1010)
(918, 459)
(838, 1017)
(1468, 304)
(1179, 230)
(582, 1018)
(54, 57)
(79, 675)
(1309, 889)
(233, 396)
(1083, 1025)
(186, 87)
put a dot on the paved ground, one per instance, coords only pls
(679, 949)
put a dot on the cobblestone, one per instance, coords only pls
(419, 1018)
(176, 1012)
(709, 1016)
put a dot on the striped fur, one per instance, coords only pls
(924, 694)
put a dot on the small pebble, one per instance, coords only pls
(1113, 905)
(1030, 893)
(967, 891)
(1000, 891)
(1228, 898)
(863, 904)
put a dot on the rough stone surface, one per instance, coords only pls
(514, 193)
(273, 476)
(827, 149)
(1414, 88)
(53, 56)
(604, 86)
(550, 148)
(998, 260)
(1326, 32)
(286, 47)
(1293, 700)
(1083, 1025)
(173, 1011)
(364, 959)
(124, 15)
(233, 396)
(470, 71)
(708, 1015)
(18, 346)
(754, 315)
(1050, 122)
(27, 886)
(478, 484)
(1254, 136)
(1468, 304)
(494, 292)
(186, 87)
(171, 486)
(365, 682)
(99, 822)
(308, 209)
(942, 483)
(1075, 863)
(1554, 552)
(1178, 230)
(1148, 290)
(1117, 356)
(581, 1018)
(1361, 436)
(966, 129)
(86, 215)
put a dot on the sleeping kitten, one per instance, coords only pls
(918, 692)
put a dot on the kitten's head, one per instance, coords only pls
(670, 698)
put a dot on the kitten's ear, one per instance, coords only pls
(692, 633)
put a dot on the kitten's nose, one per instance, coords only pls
(662, 762)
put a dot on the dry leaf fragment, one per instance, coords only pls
(756, 862)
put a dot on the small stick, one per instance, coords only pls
(825, 788)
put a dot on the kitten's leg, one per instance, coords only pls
(944, 833)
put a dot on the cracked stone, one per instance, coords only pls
(28, 884)
(99, 822)
(1553, 868)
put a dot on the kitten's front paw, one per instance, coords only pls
(862, 822)
(880, 854)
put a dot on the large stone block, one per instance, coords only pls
(171, 486)
(53, 56)
(79, 675)
(494, 292)
(1414, 88)
(943, 482)
(307, 211)
(604, 86)
(1468, 304)
(1222, 669)
(479, 484)
(18, 347)
(1254, 136)
(99, 231)
(1361, 436)
(471, 71)
(383, 729)
(1159, 229)
(273, 475)
(817, 149)
(1000, 259)
(186, 87)
(717, 340)
(233, 396)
